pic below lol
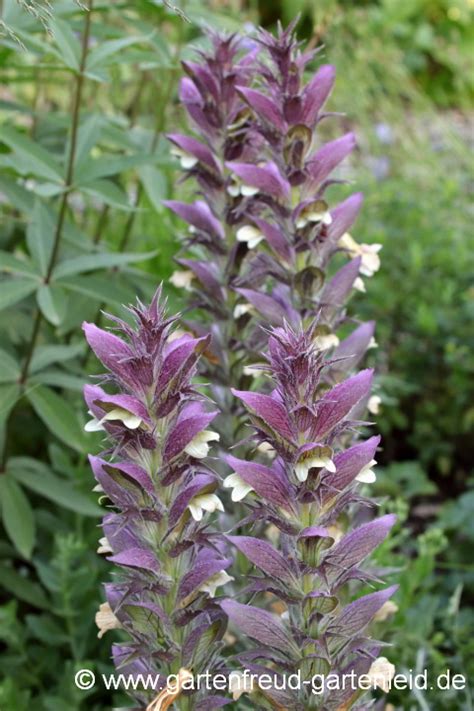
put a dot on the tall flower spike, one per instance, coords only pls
(168, 567)
(262, 234)
(311, 571)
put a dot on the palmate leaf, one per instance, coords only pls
(17, 516)
(58, 416)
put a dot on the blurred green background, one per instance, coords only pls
(405, 85)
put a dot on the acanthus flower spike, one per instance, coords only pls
(168, 571)
(316, 475)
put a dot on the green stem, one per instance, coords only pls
(68, 184)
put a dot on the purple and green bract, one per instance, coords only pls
(313, 478)
(167, 565)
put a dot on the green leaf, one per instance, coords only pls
(52, 302)
(12, 265)
(9, 395)
(39, 160)
(40, 235)
(99, 288)
(59, 379)
(58, 416)
(155, 185)
(107, 165)
(67, 43)
(22, 588)
(106, 50)
(9, 369)
(88, 135)
(14, 290)
(56, 490)
(17, 516)
(17, 195)
(108, 192)
(89, 262)
(46, 355)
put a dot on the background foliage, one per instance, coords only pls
(85, 101)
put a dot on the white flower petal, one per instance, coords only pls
(248, 190)
(239, 486)
(94, 425)
(249, 234)
(198, 447)
(182, 279)
(381, 673)
(215, 581)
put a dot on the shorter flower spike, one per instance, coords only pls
(310, 565)
(168, 571)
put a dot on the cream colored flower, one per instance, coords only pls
(242, 309)
(315, 212)
(93, 425)
(240, 683)
(182, 279)
(104, 547)
(336, 531)
(359, 285)
(106, 620)
(252, 371)
(249, 234)
(370, 260)
(388, 609)
(373, 405)
(367, 474)
(381, 673)
(239, 487)
(266, 448)
(186, 159)
(204, 502)
(199, 447)
(326, 341)
(237, 188)
(130, 420)
(215, 581)
(372, 344)
(320, 457)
